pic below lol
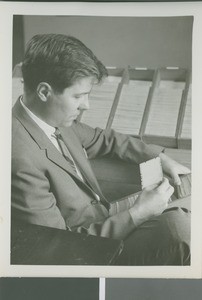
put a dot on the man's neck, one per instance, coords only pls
(35, 106)
(49, 130)
(30, 101)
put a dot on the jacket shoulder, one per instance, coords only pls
(16, 126)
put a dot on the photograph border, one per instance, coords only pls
(7, 10)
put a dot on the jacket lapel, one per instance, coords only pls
(41, 139)
(54, 155)
(78, 154)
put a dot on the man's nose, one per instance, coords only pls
(84, 105)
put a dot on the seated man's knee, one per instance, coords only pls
(177, 221)
(174, 229)
(164, 240)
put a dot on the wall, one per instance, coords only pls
(122, 41)
(18, 39)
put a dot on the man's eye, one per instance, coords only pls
(77, 97)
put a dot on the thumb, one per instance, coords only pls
(151, 187)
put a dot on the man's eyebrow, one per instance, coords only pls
(83, 93)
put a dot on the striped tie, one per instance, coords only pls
(64, 150)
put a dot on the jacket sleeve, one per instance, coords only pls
(33, 202)
(31, 198)
(118, 226)
(98, 142)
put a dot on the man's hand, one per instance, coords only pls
(173, 168)
(152, 202)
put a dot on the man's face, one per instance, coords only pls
(63, 109)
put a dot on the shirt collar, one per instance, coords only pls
(48, 130)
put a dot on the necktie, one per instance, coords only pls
(65, 152)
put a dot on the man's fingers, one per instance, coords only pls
(151, 187)
(185, 170)
(176, 179)
(166, 190)
(170, 191)
(162, 188)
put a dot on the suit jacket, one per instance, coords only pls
(45, 191)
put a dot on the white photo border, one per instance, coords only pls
(7, 10)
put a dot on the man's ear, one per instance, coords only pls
(44, 91)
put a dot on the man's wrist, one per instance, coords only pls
(137, 217)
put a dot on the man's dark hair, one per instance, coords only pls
(59, 60)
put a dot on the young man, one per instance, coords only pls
(52, 181)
